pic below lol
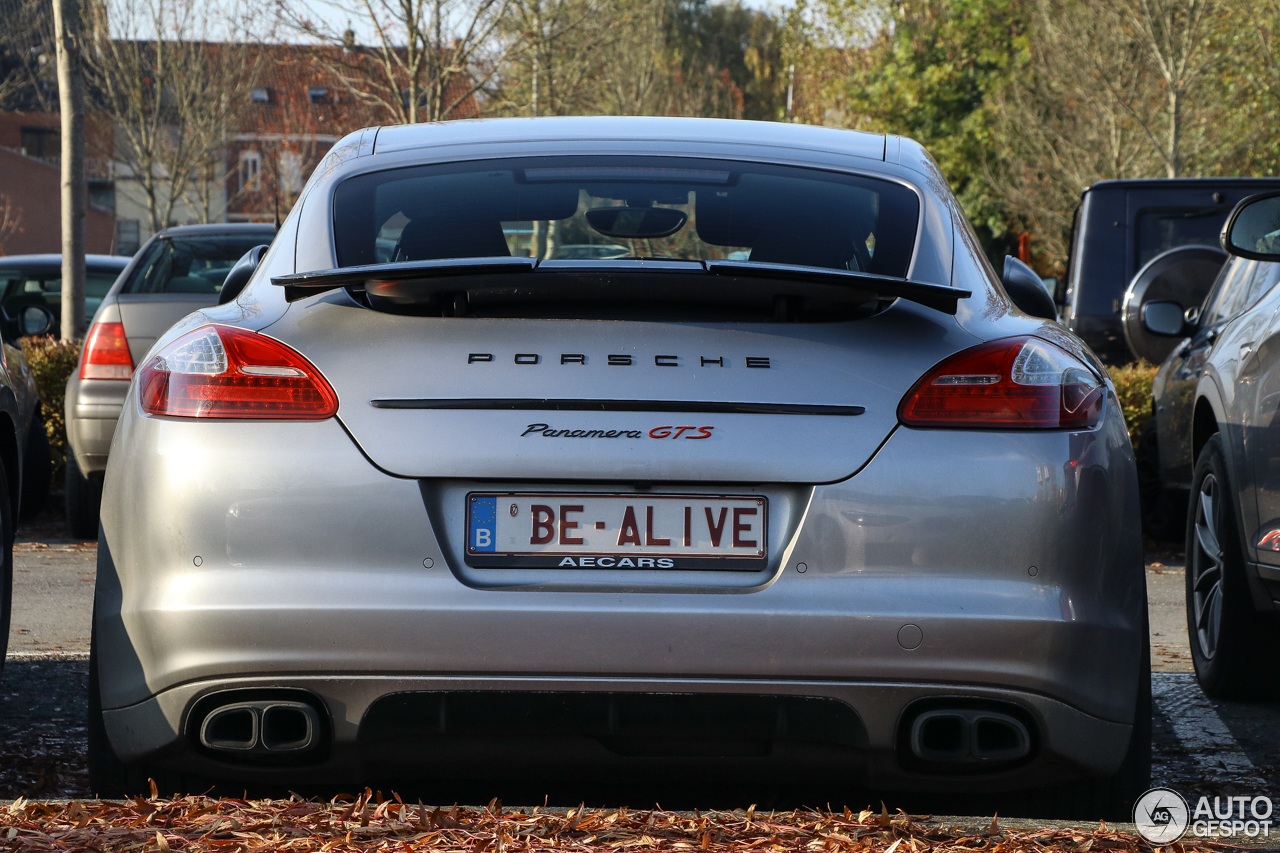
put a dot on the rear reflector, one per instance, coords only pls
(228, 372)
(106, 353)
(1013, 383)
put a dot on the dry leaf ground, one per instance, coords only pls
(368, 822)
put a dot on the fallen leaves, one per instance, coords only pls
(370, 823)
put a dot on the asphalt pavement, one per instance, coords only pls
(1201, 747)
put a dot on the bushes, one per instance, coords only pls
(52, 361)
(1133, 387)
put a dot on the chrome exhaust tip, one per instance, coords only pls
(261, 727)
(974, 736)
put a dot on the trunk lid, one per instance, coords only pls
(626, 400)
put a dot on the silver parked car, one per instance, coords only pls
(174, 273)
(838, 510)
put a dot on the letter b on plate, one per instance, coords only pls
(484, 522)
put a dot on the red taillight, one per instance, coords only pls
(106, 353)
(226, 372)
(1014, 383)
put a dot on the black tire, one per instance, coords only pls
(1110, 798)
(1225, 630)
(108, 775)
(84, 500)
(7, 527)
(37, 469)
(1113, 798)
(111, 778)
(1164, 511)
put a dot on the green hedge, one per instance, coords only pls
(52, 361)
(1133, 387)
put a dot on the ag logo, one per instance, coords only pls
(1161, 815)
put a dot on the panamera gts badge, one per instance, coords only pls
(669, 432)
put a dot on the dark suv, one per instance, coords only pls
(1120, 226)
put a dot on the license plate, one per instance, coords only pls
(598, 531)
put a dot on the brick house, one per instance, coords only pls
(298, 111)
(294, 115)
(30, 186)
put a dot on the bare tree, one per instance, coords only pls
(25, 43)
(1120, 89)
(633, 70)
(75, 185)
(232, 70)
(10, 220)
(429, 60)
(647, 69)
(554, 54)
(1182, 41)
(1067, 120)
(171, 97)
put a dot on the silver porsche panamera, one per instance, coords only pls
(615, 448)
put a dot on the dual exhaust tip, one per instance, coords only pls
(268, 727)
(977, 737)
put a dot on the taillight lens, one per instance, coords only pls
(1013, 383)
(226, 372)
(106, 353)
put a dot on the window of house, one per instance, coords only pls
(44, 143)
(250, 170)
(260, 95)
(128, 236)
(317, 94)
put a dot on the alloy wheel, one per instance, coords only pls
(1206, 567)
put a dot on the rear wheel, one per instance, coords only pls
(1226, 632)
(84, 500)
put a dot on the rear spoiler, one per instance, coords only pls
(381, 279)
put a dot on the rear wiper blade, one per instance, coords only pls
(304, 284)
(939, 296)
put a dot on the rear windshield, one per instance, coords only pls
(190, 264)
(605, 208)
(22, 288)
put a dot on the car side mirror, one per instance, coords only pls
(240, 274)
(1027, 290)
(31, 320)
(1253, 228)
(1163, 318)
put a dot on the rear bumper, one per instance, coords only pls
(1069, 743)
(275, 554)
(93, 408)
